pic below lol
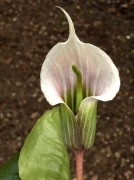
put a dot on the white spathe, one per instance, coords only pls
(99, 74)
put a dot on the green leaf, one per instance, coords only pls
(44, 155)
(10, 170)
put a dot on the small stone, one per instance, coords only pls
(18, 84)
(34, 95)
(13, 94)
(131, 97)
(124, 5)
(34, 115)
(95, 177)
(14, 19)
(108, 152)
(132, 166)
(43, 28)
(32, 79)
(110, 178)
(127, 174)
(132, 148)
(40, 99)
(112, 10)
(8, 115)
(78, 7)
(1, 115)
(128, 37)
(9, 61)
(97, 23)
(117, 155)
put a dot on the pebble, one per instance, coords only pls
(132, 148)
(117, 155)
(32, 79)
(18, 84)
(95, 177)
(34, 115)
(132, 166)
(1, 115)
(14, 94)
(128, 37)
(40, 99)
(97, 23)
(108, 152)
(34, 95)
(127, 174)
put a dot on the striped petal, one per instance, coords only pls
(100, 77)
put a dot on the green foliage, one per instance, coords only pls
(10, 170)
(44, 155)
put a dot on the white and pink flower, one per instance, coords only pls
(77, 75)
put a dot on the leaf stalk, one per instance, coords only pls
(79, 164)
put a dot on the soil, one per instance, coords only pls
(28, 30)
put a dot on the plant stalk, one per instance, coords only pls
(79, 164)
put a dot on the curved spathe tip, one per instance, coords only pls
(72, 33)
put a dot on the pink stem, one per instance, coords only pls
(79, 164)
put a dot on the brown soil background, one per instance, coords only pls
(28, 30)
